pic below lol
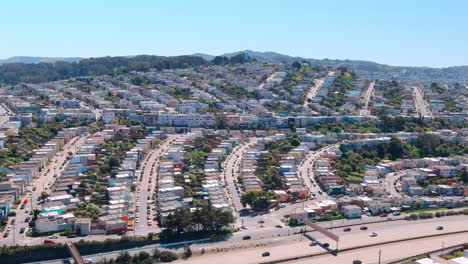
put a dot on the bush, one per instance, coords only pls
(425, 215)
(167, 256)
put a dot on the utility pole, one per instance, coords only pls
(380, 255)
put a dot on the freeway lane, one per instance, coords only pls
(389, 252)
(293, 246)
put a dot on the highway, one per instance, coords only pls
(143, 221)
(297, 245)
(369, 92)
(43, 183)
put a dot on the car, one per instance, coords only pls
(22, 230)
(383, 215)
(246, 237)
(71, 236)
(363, 228)
(6, 234)
(48, 241)
(440, 228)
(12, 222)
(347, 229)
(53, 237)
(261, 221)
(149, 224)
(325, 245)
(9, 228)
(373, 234)
(357, 261)
(313, 243)
(265, 254)
(278, 226)
(27, 219)
(66, 261)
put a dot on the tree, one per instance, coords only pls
(167, 256)
(395, 148)
(114, 162)
(44, 195)
(463, 174)
(187, 251)
(427, 144)
(296, 65)
(258, 200)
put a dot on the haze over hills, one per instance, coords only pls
(365, 68)
(27, 59)
(369, 68)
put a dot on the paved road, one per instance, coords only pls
(369, 92)
(313, 89)
(231, 172)
(267, 80)
(43, 183)
(306, 172)
(146, 188)
(421, 105)
(246, 251)
(298, 246)
(391, 181)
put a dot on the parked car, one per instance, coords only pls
(246, 237)
(313, 243)
(383, 215)
(440, 228)
(265, 254)
(48, 241)
(22, 230)
(71, 236)
(6, 234)
(278, 226)
(373, 234)
(347, 229)
(53, 237)
(363, 228)
(326, 245)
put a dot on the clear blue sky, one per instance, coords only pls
(410, 32)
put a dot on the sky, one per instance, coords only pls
(405, 33)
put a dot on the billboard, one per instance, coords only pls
(322, 230)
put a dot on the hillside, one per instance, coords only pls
(367, 68)
(25, 59)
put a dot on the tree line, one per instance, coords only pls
(184, 223)
(13, 73)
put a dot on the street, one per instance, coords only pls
(421, 104)
(143, 206)
(369, 92)
(43, 183)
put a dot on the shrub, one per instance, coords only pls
(167, 256)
